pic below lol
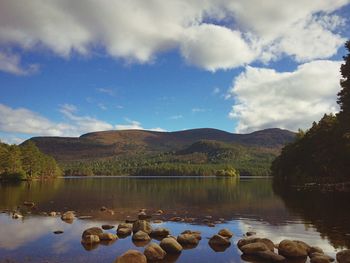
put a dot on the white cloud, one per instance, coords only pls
(267, 98)
(238, 33)
(11, 63)
(107, 91)
(28, 123)
(135, 125)
(216, 90)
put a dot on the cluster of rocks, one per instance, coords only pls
(256, 248)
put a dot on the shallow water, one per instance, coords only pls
(246, 204)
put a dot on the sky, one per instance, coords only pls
(72, 67)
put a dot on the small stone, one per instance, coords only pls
(176, 219)
(250, 233)
(131, 256)
(68, 216)
(142, 225)
(154, 252)
(160, 232)
(57, 232)
(140, 236)
(211, 225)
(218, 240)
(16, 216)
(157, 221)
(143, 216)
(160, 212)
(107, 236)
(27, 203)
(124, 232)
(103, 208)
(53, 214)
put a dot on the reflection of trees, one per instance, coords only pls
(329, 213)
(13, 194)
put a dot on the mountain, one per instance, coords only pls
(107, 144)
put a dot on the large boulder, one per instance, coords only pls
(125, 225)
(142, 225)
(292, 249)
(131, 256)
(154, 252)
(218, 240)
(160, 232)
(188, 239)
(170, 245)
(253, 248)
(92, 231)
(225, 233)
(140, 236)
(343, 256)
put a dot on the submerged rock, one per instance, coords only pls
(292, 249)
(131, 256)
(170, 245)
(154, 252)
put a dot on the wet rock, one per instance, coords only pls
(343, 256)
(92, 231)
(170, 245)
(131, 256)
(123, 232)
(306, 246)
(211, 225)
(154, 252)
(157, 221)
(142, 225)
(90, 239)
(253, 248)
(270, 256)
(225, 233)
(130, 221)
(189, 219)
(68, 216)
(125, 225)
(250, 240)
(107, 227)
(208, 217)
(321, 254)
(140, 236)
(160, 232)
(188, 239)
(107, 237)
(57, 232)
(53, 214)
(103, 209)
(160, 212)
(292, 249)
(196, 233)
(84, 217)
(218, 240)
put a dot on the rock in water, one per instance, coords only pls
(92, 231)
(107, 236)
(90, 239)
(141, 236)
(253, 248)
(343, 256)
(131, 256)
(154, 252)
(250, 240)
(107, 227)
(188, 239)
(160, 232)
(225, 233)
(142, 225)
(68, 216)
(218, 240)
(270, 256)
(170, 245)
(292, 249)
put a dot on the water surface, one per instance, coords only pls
(246, 204)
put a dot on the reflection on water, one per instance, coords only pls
(246, 205)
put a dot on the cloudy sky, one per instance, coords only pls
(71, 67)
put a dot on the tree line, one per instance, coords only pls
(322, 153)
(26, 162)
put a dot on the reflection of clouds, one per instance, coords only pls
(15, 233)
(292, 230)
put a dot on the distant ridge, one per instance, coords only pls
(106, 144)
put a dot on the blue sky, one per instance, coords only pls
(66, 70)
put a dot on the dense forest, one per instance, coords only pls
(321, 154)
(26, 162)
(203, 158)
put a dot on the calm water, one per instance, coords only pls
(251, 204)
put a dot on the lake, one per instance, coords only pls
(320, 219)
